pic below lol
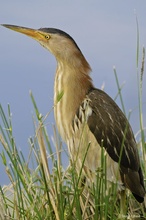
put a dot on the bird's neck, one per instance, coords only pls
(72, 83)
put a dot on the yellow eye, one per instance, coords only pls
(47, 37)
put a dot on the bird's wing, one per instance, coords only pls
(112, 130)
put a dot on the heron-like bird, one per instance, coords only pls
(88, 116)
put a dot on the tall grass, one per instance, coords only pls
(41, 188)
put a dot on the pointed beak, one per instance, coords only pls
(33, 33)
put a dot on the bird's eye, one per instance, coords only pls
(47, 37)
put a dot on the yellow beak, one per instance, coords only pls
(33, 33)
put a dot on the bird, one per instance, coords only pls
(87, 118)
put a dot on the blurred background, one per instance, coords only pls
(105, 31)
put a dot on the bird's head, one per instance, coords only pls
(59, 43)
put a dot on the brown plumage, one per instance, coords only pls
(88, 116)
(118, 139)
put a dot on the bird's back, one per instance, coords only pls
(98, 123)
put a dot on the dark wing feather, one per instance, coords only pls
(112, 130)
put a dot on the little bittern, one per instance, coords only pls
(87, 117)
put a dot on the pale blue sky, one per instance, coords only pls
(105, 31)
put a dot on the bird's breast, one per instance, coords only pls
(82, 144)
(69, 93)
(72, 109)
